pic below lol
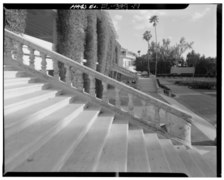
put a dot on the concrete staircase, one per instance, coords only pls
(50, 130)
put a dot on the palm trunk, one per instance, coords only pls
(148, 60)
(156, 54)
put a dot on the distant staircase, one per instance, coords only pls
(52, 126)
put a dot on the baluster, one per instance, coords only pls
(8, 47)
(144, 110)
(79, 80)
(56, 69)
(32, 57)
(68, 74)
(117, 98)
(19, 51)
(105, 98)
(130, 104)
(157, 116)
(43, 62)
(92, 88)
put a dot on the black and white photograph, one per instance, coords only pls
(112, 90)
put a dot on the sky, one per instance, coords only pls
(196, 23)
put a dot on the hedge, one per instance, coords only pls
(197, 84)
(90, 48)
(71, 25)
(15, 20)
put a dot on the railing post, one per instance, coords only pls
(92, 89)
(130, 104)
(8, 47)
(144, 110)
(79, 80)
(43, 62)
(19, 51)
(32, 57)
(56, 69)
(68, 75)
(117, 98)
(105, 98)
(157, 116)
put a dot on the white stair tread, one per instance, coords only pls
(175, 162)
(15, 81)
(22, 86)
(22, 114)
(16, 143)
(13, 74)
(202, 164)
(84, 156)
(192, 167)
(137, 155)
(209, 153)
(52, 154)
(156, 157)
(26, 96)
(113, 157)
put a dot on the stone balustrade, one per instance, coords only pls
(177, 122)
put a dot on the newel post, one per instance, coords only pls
(179, 127)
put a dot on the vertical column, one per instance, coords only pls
(8, 46)
(130, 104)
(92, 88)
(19, 51)
(43, 62)
(117, 98)
(157, 117)
(144, 110)
(32, 57)
(105, 98)
(79, 80)
(56, 69)
(68, 75)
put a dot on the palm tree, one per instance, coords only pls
(147, 36)
(155, 20)
(139, 52)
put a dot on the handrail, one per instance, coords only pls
(124, 71)
(106, 80)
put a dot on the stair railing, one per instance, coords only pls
(124, 71)
(161, 115)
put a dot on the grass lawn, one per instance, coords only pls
(203, 105)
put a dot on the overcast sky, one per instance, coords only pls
(196, 23)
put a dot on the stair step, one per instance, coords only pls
(113, 157)
(191, 166)
(13, 74)
(9, 68)
(52, 154)
(25, 89)
(209, 154)
(202, 164)
(21, 145)
(18, 125)
(20, 115)
(27, 100)
(175, 162)
(137, 155)
(18, 81)
(26, 96)
(156, 157)
(84, 156)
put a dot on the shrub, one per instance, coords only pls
(71, 26)
(90, 51)
(15, 20)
